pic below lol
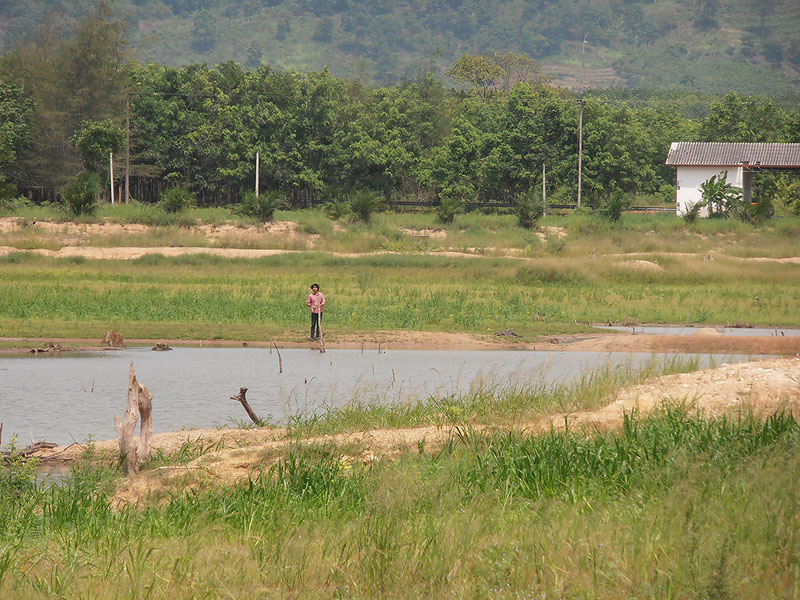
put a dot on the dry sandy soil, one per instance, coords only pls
(762, 387)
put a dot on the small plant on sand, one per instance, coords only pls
(17, 473)
(337, 209)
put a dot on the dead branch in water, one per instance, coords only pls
(241, 398)
(280, 360)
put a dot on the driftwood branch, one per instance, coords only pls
(241, 398)
(139, 404)
(280, 360)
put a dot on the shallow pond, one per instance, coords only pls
(74, 396)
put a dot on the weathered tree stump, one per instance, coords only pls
(112, 339)
(241, 398)
(139, 403)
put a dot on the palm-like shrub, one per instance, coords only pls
(174, 200)
(263, 206)
(448, 208)
(337, 209)
(614, 205)
(529, 209)
(364, 203)
(79, 196)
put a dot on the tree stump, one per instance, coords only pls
(139, 404)
(112, 339)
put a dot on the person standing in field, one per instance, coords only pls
(316, 300)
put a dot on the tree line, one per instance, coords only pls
(69, 98)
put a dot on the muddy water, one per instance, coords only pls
(71, 397)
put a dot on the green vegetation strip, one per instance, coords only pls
(193, 296)
(672, 506)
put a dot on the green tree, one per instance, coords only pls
(95, 140)
(615, 152)
(15, 124)
(744, 119)
(204, 31)
(479, 70)
(323, 32)
(452, 168)
(71, 76)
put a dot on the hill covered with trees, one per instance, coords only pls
(709, 46)
(70, 98)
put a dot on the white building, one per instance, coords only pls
(697, 162)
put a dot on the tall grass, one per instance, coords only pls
(672, 506)
(487, 403)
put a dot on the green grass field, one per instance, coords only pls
(648, 269)
(671, 506)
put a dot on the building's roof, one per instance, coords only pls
(714, 154)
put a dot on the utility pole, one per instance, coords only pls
(111, 175)
(257, 171)
(581, 102)
(544, 189)
(128, 150)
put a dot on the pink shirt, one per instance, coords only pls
(316, 302)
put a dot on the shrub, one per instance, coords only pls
(529, 209)
(17, 473)
(262, 207)
(8, 191)
(364, 203)
(174, 200)
(79, 196)
(614, 205)
(337, 209)
(690, 216)
(448, 208)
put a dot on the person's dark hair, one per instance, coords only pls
(314, 285)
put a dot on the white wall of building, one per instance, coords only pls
(690, 179)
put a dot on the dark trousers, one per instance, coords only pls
(316, 319)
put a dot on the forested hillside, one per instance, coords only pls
(713, 46)
(71, 97)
